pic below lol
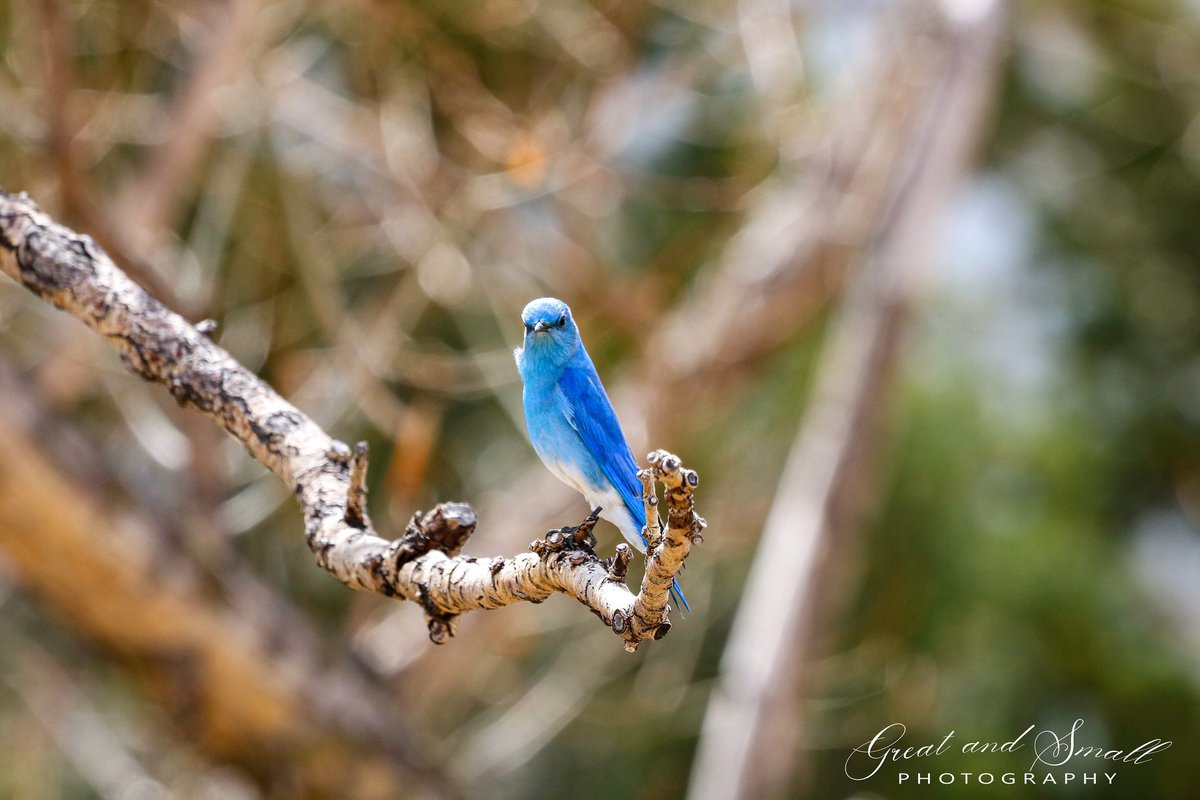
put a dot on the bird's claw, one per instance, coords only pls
(582, 533)
(580, 536)
(576, 537)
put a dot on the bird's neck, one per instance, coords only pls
(537, 371)
(541, 365)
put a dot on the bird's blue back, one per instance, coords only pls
(593, 417)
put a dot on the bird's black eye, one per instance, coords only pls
(562, 320)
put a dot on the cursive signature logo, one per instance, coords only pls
(1051, 751)
(868, 758)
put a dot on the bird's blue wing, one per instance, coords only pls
(592, 416)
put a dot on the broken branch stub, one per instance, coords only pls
(424, 566)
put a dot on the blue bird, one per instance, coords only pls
(572, 423)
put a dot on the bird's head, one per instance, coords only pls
(549, 329)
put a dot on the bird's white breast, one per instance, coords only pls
(570, 475)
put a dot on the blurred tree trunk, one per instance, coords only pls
(754, 729)
(238, 676)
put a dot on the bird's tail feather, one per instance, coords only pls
(677, 596)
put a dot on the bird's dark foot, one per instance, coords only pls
(578, 537)
(581, 536)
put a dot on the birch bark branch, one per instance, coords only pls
(69, 271)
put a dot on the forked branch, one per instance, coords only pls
(68, 270)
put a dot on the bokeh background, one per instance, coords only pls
(913, 285)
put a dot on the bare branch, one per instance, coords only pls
(153, 201)
(62, 128)
(68, 270)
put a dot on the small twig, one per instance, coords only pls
(356, 497)
(618, 566)
(653, 530)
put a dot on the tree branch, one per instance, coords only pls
(68, 270)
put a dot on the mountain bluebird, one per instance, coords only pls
(572, 424)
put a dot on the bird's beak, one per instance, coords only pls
(541, 327)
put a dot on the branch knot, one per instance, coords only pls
(446, 528)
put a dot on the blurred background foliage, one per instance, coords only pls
(364, 195)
